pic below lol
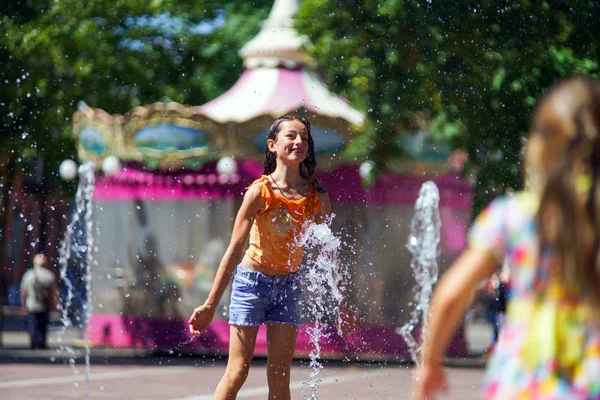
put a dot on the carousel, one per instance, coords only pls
(178, 175)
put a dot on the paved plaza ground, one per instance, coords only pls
(135, 374)
(189, 378)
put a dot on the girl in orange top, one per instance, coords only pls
(266, 286)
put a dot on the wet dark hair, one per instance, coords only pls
(307, 167)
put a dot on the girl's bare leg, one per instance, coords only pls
(241, 348)
(281, 342)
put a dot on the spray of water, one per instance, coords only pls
(423, 244)
(181, 346)
(81, 221)
(325, 280)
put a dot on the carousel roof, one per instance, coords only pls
(167, 135)
(277, 43)
(275, 81)
(277, 91)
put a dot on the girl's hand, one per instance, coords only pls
(201, 319)
(429, 380)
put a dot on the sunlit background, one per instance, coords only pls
(171, 101)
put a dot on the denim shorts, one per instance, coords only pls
(257, 298)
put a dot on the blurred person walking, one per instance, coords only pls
(38, 293)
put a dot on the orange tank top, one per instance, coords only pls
(278, 225)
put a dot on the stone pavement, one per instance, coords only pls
(137, 374)
(167, 378)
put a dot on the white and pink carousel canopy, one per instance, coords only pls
(277, 43)
(277, 91)
(275, 81)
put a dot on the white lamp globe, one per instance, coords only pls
(365, 169)
(226, 166)
(111, 165)
(68, 170)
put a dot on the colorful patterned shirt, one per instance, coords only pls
(550, 345)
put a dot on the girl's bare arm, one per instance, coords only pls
(235, 251)
(451, 298)
(251, 205)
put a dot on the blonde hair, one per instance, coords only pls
(563, 165)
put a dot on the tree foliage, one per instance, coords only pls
(473, 69)
(112, 54)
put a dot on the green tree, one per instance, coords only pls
(474, 68)
(114, 55)
(111, 54)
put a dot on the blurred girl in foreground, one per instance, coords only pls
(550, 345)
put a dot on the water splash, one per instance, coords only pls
(325, 280)
(423, 243)
(81, 226)
(182, 346)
